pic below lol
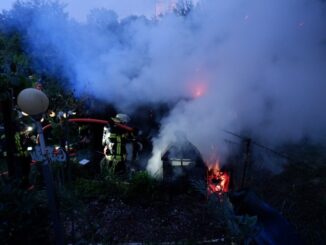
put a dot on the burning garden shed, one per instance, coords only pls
(182, 162)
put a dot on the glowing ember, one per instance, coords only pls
(217, 180)
(199, 90)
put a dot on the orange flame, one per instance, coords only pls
(217, 180)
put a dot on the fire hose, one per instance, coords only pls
(97, 121)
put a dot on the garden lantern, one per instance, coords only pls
(33, 101)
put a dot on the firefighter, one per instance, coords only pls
(114, 141)
(23, 141)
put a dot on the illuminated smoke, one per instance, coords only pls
(254, 65)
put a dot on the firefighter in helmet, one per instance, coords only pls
(114, 141)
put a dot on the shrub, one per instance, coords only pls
(23, 215)
(142, 187)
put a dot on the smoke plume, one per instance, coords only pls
(238, 65)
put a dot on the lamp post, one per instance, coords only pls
(34, 102)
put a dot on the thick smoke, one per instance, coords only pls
(254, 65)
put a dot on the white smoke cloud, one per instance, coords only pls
(259, 64)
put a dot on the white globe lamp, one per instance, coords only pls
(32, 101)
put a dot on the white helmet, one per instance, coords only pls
(123, 118)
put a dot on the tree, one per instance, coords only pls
(183, 7)
(13, 69)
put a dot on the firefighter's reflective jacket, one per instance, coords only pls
(114, 139)
(21, 147)
(23, 141)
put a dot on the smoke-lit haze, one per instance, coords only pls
(253, 65)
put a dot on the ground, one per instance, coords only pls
(177, 220)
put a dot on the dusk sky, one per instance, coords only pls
(79, 9)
